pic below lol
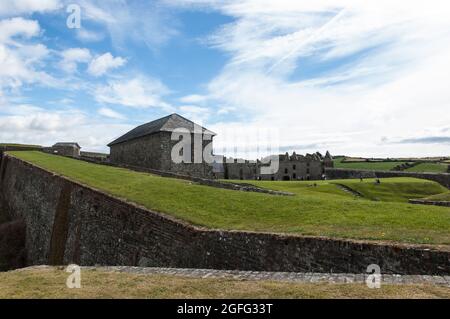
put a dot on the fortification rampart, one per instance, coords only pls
(67, 222)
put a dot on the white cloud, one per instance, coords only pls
(194, 109)
(40, 121)
(285, 70)
(393, 83)
(14, 71)
(35, 125)
(10, 28)
(105, 111)
(66, 101)
(226, 110)
(71, 58)
(137, 92)
(196, 113)
(18, 7)
(20, 61)
(193, 98)
(86, 35)
(103, 63)
(141, 22)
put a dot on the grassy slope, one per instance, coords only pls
(375, 166)
(50, 283)
(390, 190)
(395, 189)
(309, 213)
(429, 167)
(445, 197)
(315, 188)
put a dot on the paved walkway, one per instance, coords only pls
(273, 276)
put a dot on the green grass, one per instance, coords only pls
(394, 189)
(373, 166)
(314, 188)
(429, 168)
(51, 283)
(399, 189)
(321, 211)
(444, 197)
(387, 166)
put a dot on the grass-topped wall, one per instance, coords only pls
(66, 218)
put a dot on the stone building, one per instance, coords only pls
(71, 149)
(291, 167)
(150, 146)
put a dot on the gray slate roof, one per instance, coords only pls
(165, 124)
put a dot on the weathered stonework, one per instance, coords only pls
(12, 245)
(154, 152)
(150, 146)
(95, 228)
(290, 167)
(146, 152)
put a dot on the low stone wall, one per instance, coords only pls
(341, 173)
(70, 223)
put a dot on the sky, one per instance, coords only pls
(359, 78)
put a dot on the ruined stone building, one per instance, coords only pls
(150, 146)
(291, 167)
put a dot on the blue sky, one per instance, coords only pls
(182, 64)
(364, 79)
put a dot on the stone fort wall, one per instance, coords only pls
(70, 223)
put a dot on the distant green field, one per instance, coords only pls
(394, 189)
(324, 210)
(21, 146)
(429, 167)
(373, 166)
